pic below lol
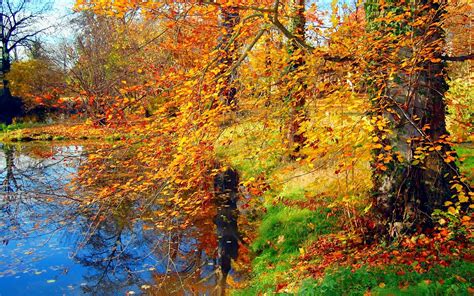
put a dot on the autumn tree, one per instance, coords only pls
(414, 171)
(37, 80)
(100, 61)
(19, 25)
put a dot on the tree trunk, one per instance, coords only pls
(412, 172)
(296, 96)
(6, 64)
(228, 21)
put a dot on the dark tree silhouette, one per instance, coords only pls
(20, 24)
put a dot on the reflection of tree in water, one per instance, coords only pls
(9, 182)
(112, 251)
(32, 200)
(226, 187)
(208, 275)
(126, 252)
(119, 242)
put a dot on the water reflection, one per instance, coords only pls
(226, 187)
(51, 244)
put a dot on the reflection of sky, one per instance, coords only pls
(39, 236)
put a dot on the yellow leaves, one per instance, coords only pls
(453, 210)
(302, 251)
(449, 159)
(378, 146)
(367, 208)
(436, 148)
(334, 14)
(463, 198)
(380, 166)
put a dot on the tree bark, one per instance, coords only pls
(296, 96)
(411, 174)
(228, 21)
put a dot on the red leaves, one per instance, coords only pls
(280, 287)
(420, 252)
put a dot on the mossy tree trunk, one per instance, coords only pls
(413, 170)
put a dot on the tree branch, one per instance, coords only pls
(243, 7)
(458, 58)
(26, 37)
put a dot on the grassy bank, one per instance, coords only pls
(28, 132)
(307, 240)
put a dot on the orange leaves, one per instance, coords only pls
(420, 253)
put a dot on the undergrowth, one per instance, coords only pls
(287, 230)
(466, 154)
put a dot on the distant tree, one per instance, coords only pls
(37, 80)
(19, 26)
(101, 58)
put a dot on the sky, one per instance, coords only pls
(61, 12)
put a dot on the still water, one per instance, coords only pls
(49, 247)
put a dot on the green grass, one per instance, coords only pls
(16, 126)
(293, 193)
(283, 231)
(466, 152)
(452, 280)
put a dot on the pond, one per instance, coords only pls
(48, 245)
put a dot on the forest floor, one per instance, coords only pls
(308, 235)
(305, 235)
